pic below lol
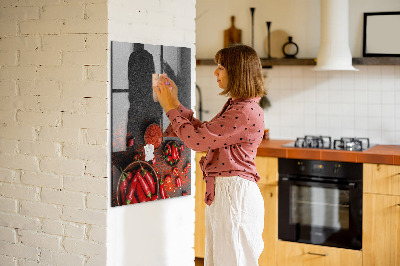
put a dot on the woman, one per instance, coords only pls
(235, 207)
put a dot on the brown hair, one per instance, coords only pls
(245, 78)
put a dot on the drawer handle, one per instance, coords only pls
(318, 254)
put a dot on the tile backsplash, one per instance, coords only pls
(364, 103)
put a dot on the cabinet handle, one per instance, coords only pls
(398, 204)
(318, 254)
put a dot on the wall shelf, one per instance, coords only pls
(312, 61)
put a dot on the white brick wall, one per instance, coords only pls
(53, 138)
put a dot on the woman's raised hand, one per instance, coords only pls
(174, 90)
(164, 94)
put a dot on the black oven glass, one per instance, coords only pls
(320, 205)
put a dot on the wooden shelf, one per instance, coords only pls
(312, 61)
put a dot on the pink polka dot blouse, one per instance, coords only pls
(231, 139)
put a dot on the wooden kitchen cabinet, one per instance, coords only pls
(381, 230)
(270, 233)
(381, 215)
(200, 207)
(298, 254)
(381, 179)
(267, 168)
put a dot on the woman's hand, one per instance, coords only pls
(174, 90)
(164, 95)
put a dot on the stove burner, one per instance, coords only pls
(351, 144)
(308, 141)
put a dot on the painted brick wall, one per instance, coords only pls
(53, 132)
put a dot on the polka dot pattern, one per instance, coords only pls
(231, 138)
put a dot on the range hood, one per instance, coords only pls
(334, 51)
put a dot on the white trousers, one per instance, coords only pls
(234, 223)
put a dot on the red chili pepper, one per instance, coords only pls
(145, 187)
(142, 197)
(131, 142)
(178, 182)
(162, 189)
(169, 149)
(130, 175)
(130, 197)
(169, 158)
(149, 180)
(154, 197)
(174, 152)
(122, 186)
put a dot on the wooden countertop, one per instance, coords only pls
(379, 154)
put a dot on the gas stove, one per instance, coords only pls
(325, 142)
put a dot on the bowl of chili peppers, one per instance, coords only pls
(172, 152)
(138, 183)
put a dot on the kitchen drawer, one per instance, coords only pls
(381, 179)
(267, 168)
(298, 254)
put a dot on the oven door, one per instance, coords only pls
(321, 212)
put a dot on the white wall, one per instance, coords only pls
(338, 104)
(161, 232)
(298, 18)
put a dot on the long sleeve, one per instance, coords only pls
(186, 113)
(225, 130)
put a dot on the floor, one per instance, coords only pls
(198, 262)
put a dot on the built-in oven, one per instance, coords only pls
(320, 202)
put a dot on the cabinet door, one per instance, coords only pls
(200, 207)
(270, 233)
(267, 168)
(381, 230)
(297, 254)
(381, 179)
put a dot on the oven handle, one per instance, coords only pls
(298, 181)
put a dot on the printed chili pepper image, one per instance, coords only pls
(175, 171)
(184, 193)
(162, 189)
(123, 185)
(168, 179)
(131, 142)
(178, 181)
(182, 148)
(154, 197)
(144, 185)
(174, 152)
(130, 197)
(140, 193)
(130, 175)
(149, 178)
